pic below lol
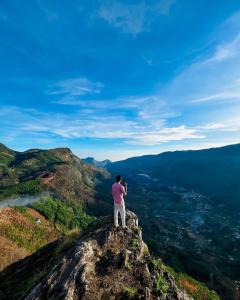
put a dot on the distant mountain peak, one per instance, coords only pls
(96, 163)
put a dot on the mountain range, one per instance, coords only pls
(213, 172)
(97, 163)
(187, 203)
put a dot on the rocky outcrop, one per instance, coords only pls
(108, 263)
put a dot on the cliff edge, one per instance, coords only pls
(108, 263)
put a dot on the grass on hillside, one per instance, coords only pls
(23, 230)
(64, 216)
(6, 157)
(19, 226)
(195, 288)
(23, 235)
(30, 187)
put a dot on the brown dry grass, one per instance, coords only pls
(9, 216)
(188, 285)
(10, 252)
(25, 228)
(47, 180)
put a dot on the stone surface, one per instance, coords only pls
(108, 263)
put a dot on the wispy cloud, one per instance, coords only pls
(166, 134)
(75, 125)
(213, 77)
(70, 88)
(225, 61)
(149, 107)
(133, 18)
(109, 104)
(224, 96)
(69, 91)
(212, 126)
(226, 50)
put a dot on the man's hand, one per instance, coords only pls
(124, 188)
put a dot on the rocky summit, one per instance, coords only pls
(108, 263)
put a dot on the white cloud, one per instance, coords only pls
(212, 126)
(58, 129)
(75, 125)
(142, 119)
(75, 87)
(145, 107)
(228, 124)
(166, 134)
(224, 96)
(226, 50)
(133, 18)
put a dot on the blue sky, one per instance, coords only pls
(114, 79)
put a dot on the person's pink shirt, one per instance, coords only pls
(118, 191)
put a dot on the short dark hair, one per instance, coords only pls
(118, 178)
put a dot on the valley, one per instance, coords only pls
(193, 235)
(186, 217)
(188, 204)
(188, 231)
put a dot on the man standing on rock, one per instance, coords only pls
(118, 191)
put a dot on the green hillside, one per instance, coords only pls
(58, 171)
(69, 183)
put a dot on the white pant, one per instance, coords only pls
(119, 208)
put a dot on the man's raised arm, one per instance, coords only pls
(124, 189)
